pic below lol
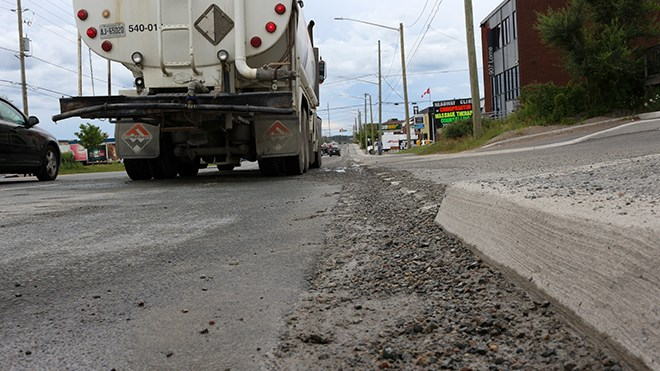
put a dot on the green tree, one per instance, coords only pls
(603, 43)
(90, 136)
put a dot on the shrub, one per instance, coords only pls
(69, 161)
(547, 104)
(68, 158)
(458, 129)
(652, 101)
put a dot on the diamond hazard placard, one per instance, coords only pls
(278, 135)
(137, 137)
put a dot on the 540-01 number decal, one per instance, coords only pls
(143, 27)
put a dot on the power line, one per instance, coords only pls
(34, 88)
(49, 11)
(420, 14)
(60, 67)
(420, 39)
(68, 11)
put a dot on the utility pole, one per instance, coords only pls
(329, 128)
(403, 66)
(359, 126)
(380, 96)
(405, 85)
(474, 77)
(366, 135)
(371, 113)
(21, 51)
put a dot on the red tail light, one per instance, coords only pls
(280, 8)
(106, 46)
(271, 27)
(82, 14)
(256, 42)
(92, 33)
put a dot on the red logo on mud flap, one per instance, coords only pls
(278, 134)
(137, 137)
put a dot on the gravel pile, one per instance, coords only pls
(393, 291)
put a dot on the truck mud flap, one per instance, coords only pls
(277, 136)
(137, 140)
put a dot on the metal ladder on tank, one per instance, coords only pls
(162, 28)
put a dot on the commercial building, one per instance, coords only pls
(514, 55)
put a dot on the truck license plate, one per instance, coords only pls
(111, 31)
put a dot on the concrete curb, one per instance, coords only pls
(604, 275)
(642, 116)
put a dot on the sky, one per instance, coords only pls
(435, 49)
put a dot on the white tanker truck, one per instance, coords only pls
(216, 81)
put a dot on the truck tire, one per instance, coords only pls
(298, 164)
(226, 167)
(318, 160)
(270, 166)
(189, 169)
(137, 169)
(165, 166)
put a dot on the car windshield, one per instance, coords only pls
(9, 114)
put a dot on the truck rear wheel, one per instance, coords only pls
(137, 169)
(297, 165)
(294, 165)
(318, 155)
(226, 167)
(165, 166)
(270, 166)
(189, 169)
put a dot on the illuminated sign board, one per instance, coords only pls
(448, 111)
(391, 127)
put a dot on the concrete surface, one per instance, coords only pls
(595, 255)
(601, 263)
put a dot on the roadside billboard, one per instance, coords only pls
(447, 111)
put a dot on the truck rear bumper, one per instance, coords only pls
(152, 107)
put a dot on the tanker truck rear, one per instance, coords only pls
(215, 82)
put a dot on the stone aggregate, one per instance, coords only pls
(394, 291)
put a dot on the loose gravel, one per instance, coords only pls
(393, 291)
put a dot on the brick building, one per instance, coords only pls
(514, 55)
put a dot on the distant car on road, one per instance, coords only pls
(334, 151)
(24, 148)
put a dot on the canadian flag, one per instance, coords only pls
(428, 91)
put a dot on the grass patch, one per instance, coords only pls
(491, 129)
(77, 168)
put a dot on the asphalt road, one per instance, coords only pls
(100, 272)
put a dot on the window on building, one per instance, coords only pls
(511, 84)
(494, 38)
(506, 31)
(498, 93)
(515, 25)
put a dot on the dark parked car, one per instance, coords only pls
(334, 151)
(24, 148)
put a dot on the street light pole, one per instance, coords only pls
(21, 51)
(403, 67)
